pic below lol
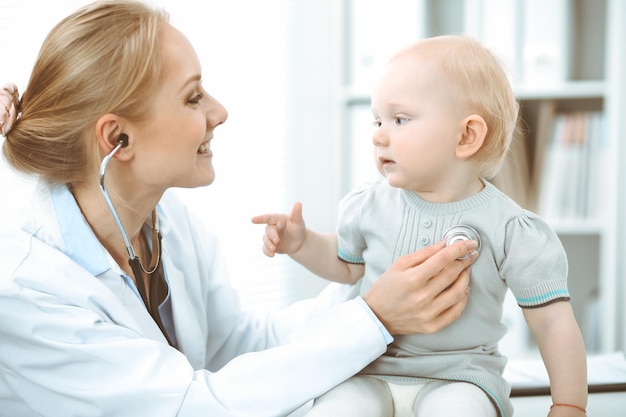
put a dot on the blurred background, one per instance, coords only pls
(295, 77)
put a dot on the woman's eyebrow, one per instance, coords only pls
(192, 79)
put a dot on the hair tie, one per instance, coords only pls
(9, 102)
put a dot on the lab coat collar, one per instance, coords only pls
(55, 218)
(81, 244)
(65, 227)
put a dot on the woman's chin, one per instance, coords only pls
(200, 181)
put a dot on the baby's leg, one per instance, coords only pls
(443, 399)
(359, 396)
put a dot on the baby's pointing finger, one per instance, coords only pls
(265, 219)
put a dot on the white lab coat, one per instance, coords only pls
(75, 340)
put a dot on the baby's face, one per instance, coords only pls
(419, 122)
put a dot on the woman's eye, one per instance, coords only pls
(196, 99)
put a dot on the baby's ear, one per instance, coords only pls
(474, 131)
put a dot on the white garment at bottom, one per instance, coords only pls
(366, 396)
(75, 336)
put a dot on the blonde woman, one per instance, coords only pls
(114, 300)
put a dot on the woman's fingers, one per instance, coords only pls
(450, 302)
(425, 291)
(446, 267)
(437, 257)
(416, 258)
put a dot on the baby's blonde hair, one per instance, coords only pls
(103, 58)
(484, 89)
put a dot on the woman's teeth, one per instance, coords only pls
(204, 148)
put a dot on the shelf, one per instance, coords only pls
(576, 227)
(558, 91)
(565, 90)
(352, 96)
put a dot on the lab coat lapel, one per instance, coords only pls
(144, 320)
(69, 281)
(190, 336)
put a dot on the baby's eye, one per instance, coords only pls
(375, 123)
(401, 120)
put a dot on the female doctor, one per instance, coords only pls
(113, 299)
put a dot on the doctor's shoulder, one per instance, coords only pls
(14, 249)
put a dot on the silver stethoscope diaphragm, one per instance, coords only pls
(461, 232)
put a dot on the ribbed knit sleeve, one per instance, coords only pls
(351, 242)
(535, 266)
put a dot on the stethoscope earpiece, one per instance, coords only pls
(123, 140)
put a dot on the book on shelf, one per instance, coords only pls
(570, 165)
(546, 41)
(532, 38)
(495, 23)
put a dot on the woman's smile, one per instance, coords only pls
(205, 149)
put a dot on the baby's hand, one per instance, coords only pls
(284, 233)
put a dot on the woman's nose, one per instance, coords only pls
(216, 113)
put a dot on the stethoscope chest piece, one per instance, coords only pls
(461, 232)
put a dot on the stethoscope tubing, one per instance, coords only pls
(107, 198)
(150, 300)
(103, 166)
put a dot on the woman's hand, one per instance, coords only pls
(424, 291)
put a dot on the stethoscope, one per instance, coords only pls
(156, 274)
(462, 232)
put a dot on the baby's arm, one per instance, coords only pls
(563, 352)
(315, 251)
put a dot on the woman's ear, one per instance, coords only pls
(474, 132)
(109, 133)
